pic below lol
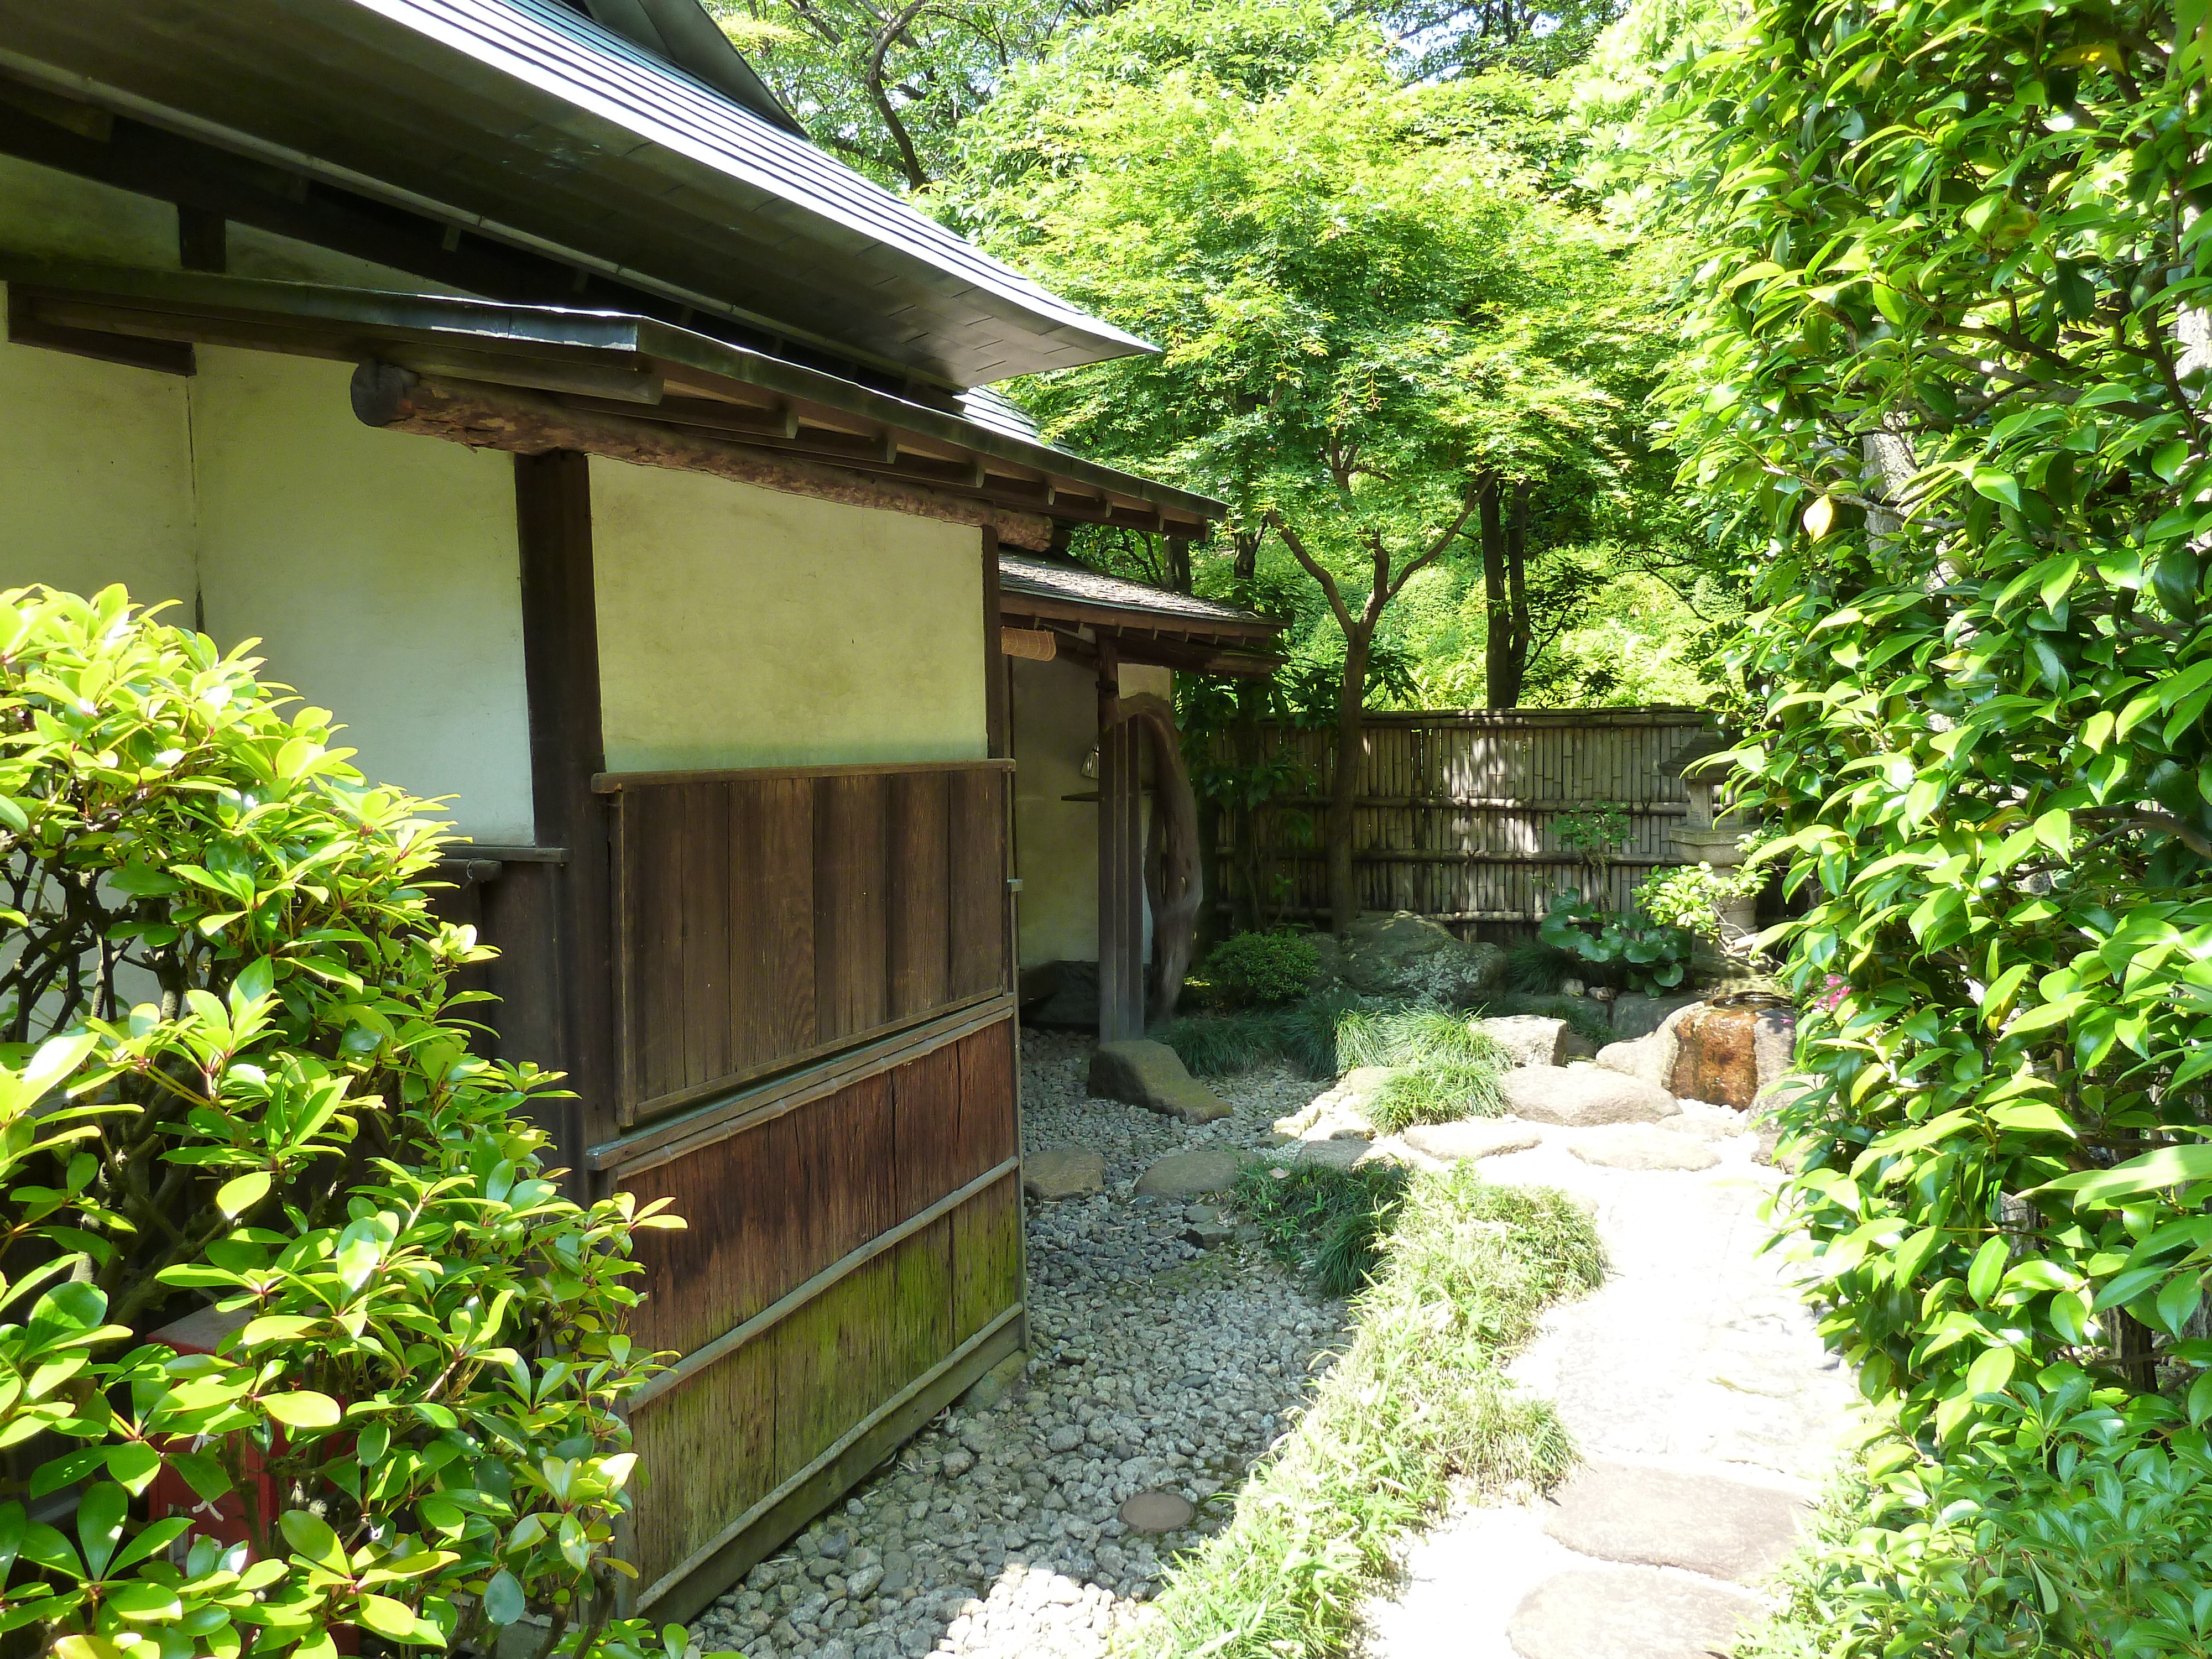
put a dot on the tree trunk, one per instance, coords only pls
(1516, 592)
(1501, 685)
(1504, 534)
(1344, 786)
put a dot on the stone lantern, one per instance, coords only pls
(1705, 837)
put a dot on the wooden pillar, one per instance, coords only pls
(1120, 863)
(561, 668)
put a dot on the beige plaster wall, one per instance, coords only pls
(379, 571)
(95, 478)
(740, 627)
(95, 463)
(1056, 725)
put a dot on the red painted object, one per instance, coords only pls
(224, 1519)
(171, 1494)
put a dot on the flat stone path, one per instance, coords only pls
(1708, 1416)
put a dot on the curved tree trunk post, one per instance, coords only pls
(1516, 595)
(1121, 865)
(1172, 881)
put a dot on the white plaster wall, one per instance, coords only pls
(742, 627)
(379, 571)
(95, 458)
(1056, 725)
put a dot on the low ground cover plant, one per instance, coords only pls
(1321, 1221)
(233, 1070)
(1419, 1397)
(1623, 949)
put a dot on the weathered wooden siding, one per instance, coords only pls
(818, 1067)
(1456, 809)
(764, 919)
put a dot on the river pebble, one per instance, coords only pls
(1155, 1362)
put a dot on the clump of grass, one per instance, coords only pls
(1414, 1034)
(1419, 1396)
(1537, 968)
(1302, 1036)
(1320, 1220)
(1443, 1092)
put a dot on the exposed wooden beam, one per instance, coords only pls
(528, 422)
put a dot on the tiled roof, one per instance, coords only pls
(1046, 579)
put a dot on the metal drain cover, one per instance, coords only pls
(1157, 1511)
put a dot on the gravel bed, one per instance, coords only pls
(1154, 1363)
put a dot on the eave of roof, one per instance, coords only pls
(527, 122)
(635, 365)
(1041, 588)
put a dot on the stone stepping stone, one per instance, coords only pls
(1658, 1517)
(1157, 1511)
(1063, 1172)
(1188, 1175)
(1641, 1146)
(1629, 1613)
(1581, 1097)
(1471, 1138)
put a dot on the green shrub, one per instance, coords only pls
(1622, 950)
(1252, 970)
(1945, 380)
(290, 1125)
(1690, 896)
(1320, 1220)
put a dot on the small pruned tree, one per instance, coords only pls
(234, 1075)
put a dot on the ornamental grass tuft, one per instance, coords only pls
(1419, 1396)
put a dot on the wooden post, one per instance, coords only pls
(1120, 863)
(561, 668)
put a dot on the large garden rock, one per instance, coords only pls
(1651, 1057)
(1531, 1039)
(1471, 1138)
(1151, 1075)
(1063, 1172)
(1405, 955)
(1581, 1095)
(1774, 1043)
(1645, 1147)
(1629, 1613)
(1658, 1517)
(1635, 1014)
(1340, 1112)
(1714, 1060)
